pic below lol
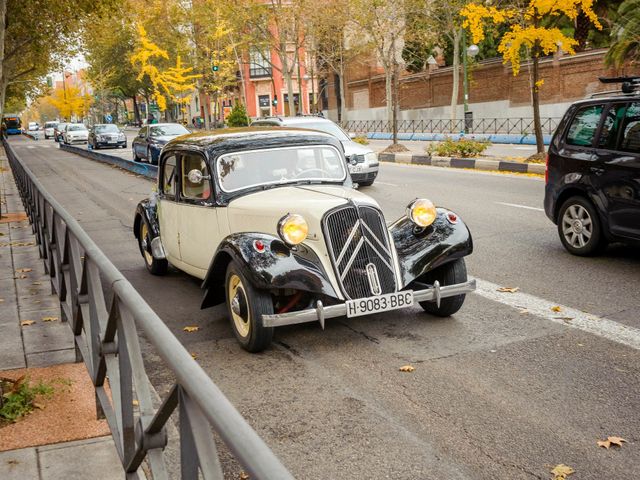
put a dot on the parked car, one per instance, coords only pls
(33, 127)
(75, 133)
(270, 221)
(593, 171)
(363, 161)
(49, 129)
(106, 135)
(151, 138)
(58, 131)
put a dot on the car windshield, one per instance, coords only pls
(50, 125)
(319, 163)
(75, 128)
(61, 126)
(326, 127)
(160, 130)
(107, 129)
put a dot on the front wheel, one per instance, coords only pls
(447, 274)
(579, 227)
(156, 266)
(246, 305)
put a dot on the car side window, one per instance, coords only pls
(631, 129)
(584, 126)
(169, 177)
(192, 190)
(611, 126)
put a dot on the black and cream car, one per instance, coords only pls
(270, 221)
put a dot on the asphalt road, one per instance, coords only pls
(507, 388)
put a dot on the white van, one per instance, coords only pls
(33, 126)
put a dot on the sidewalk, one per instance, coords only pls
(32, 337)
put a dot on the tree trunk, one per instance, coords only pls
(537, 125)
(343, 99)
(388, 91)
(395, 104)
(457, 33)
(3, 25)
(581, 32)
(300, 99)
(136, 111)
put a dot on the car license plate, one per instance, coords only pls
(381, 303)
(113, 141)
(356, 169)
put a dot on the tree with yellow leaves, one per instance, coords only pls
(70, 101)
(173, 83)
(531, 34)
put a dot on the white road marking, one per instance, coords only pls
(570, 317)
(520, 206)
(524, 148)
(388, 184)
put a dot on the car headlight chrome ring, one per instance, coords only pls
(422, 212)
(293, 229)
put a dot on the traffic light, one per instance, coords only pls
(215, 68)
(274, 102)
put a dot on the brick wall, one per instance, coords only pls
(566, 78)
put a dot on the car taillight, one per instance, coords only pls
(546, 169)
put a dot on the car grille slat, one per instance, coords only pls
(357, 237)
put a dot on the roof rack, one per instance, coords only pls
(630, 86)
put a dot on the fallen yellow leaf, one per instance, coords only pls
(407, 368)
(194, 355)
(556, 309)
(509, 289)
(49, 319)
(26, 323)
(36, 283)
(191, 329)
(611, 441)
(24, 270)
(135, 403)
(561, 472)
(244, 476)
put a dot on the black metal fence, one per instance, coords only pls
(106, 339)
(519, 126)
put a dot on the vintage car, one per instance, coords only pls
(270, 221)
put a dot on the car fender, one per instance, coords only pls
(147, 211)
(420, 250)
(268, 263)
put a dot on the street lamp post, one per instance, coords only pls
(470, 51)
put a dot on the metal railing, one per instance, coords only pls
(106, 339)
(519, 126)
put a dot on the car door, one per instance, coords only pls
(200, 232)
(576, 152)
(168, 208)
(140, 143)
(618, 152)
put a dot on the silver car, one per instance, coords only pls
(363, 162)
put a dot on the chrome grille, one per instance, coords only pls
(357, 237)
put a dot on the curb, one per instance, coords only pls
(452, 162)
(144, 169)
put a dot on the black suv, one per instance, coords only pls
(593, 171)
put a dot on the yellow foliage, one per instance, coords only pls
(70, 101)
(526, 34)
(547, 39)
(174, 83)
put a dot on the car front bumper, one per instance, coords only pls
(77, 140)
(321, 313)
(123, 143)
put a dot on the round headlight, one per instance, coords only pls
(293, 229)
(422, 212)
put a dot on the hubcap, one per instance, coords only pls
(144, 235)
(239, 307)
(577, 226)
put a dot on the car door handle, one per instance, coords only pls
(597, 171)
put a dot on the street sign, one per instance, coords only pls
(108, 118)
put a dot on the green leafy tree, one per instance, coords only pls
(626, 35)
(238, 116)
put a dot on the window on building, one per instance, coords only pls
(258, 65)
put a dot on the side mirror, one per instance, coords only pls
(196, 177)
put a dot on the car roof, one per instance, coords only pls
(297, 120)
(251, 138)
